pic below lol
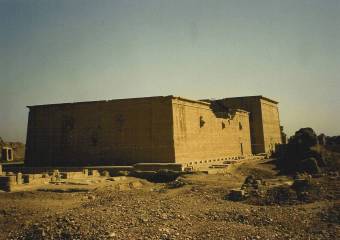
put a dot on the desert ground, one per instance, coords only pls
(196, 206)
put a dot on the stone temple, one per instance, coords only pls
(164, 129)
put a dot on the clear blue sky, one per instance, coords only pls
(54, 51)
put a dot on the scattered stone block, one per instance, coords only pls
(56, 173)
(19, 178)
(72, 175)
(188, 169)
(54, 179)
(120, 178)
(135, 184)
(258, 181)
(176, 184)
(249, 180)
(122, 173)
(94, 173)
(105, 173)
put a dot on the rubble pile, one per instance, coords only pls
(179, 182)
(251, 187)
(304, 189)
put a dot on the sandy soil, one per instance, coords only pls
(137, 209)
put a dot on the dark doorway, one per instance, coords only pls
(241, 149)
(10, 157)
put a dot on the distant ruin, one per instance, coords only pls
(6, 154)
(151, 130)
(11, 151)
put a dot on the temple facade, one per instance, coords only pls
(161, 129)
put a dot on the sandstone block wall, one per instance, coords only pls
(264, 121)
(253, 106)
(202, 136)
(150, 130)
(271, 125)
(98, 133)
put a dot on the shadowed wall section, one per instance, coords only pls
(98, 133)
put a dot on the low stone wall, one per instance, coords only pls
(12, 177)
(157, 166)
(16, 181)
(198, 165)
(35, 170)
(70, 175)
(36, 178)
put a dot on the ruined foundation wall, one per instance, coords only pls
(101, 133)
(218, 138)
